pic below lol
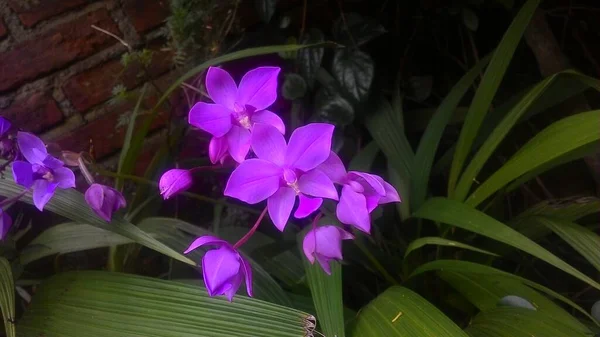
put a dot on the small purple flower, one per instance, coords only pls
(324, 244)
(361, 193)
(104, 200)
(224, 268)
(174, 181)
(5, 223)
(41, 171)
(283, 172)
(236, 109)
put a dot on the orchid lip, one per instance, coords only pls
(356, 186)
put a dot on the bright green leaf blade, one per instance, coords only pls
(435, 129)
(67, 238)
(475, 268)
(558, 139)
(179, 234)
(457, 214)
(7, 297)
(401, 181)
(71, 204)
(519, 322)
(487, 89)
(363, 160)
(420, 242)
(400, 312)
(107, 304)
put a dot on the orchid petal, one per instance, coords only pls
(370, 182)
(258, 88)
(307, 206)
(280, 206)
(268, 117)
(231, 287)
(268, 143)
(308, 245)
(174, 181)
(64, 177)
(309, 146)
(352, 210)
(333, 168)
(4, 125)
(372, 202)
(212, 118)
(5, 223)
(104, 200)
(22, 173)
(238, 141)
(206, 240)
(217, 149)
(31, 147)
(221, 87)
(315, 183)
(52, 163)
(324, 262)
(391, 195)
(247, 269)
(253, 181)
(219, 266)
(42, 193)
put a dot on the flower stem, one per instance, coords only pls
(13, 199)
(251, 231)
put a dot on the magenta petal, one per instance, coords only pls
(5, 223)
(219, 266)
(104, 200)
(4, 125)
(268, 117)
(231, 287)
(308, 245)
(324, 262)
(217, 149)
(309, 146)
(64, 177)
(51, 162)
(205, 240)
(268, 143)
(370, 182)
(212, 118)
(174, 181)
(42, 193)
(372, 202)
(315, 183)
(307, 206)
(22, 173)
(221, 87)
(238, 141)
(280, 206)
(352, 210)
(248, 275)
(258, 88)
(31, 147)
(391, 195)
(333, 168)
(253, 181)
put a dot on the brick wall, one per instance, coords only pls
(57, 72)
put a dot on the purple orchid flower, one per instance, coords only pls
(231, 118)
(4, 125)
(174, 181)
(41, 171)
(104, 200)
(5, 223)
(224, 268)
(325, 244)
(283, 172)
(361, 193)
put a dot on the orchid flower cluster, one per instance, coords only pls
(303, 171)
(42, 174)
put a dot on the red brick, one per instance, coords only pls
(33, 113)
(32, 12)
(146, 14)
(57, 48)
(94, 86)
(3, 31)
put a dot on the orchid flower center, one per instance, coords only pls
(291, 179)
(241, 115)
(41, 172)
(356, 186)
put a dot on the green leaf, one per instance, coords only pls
(99, 304)
(356, 29)
(354, 70)
(420, 242)
(363, 160)
(309, 59)
(560, 138)
(457, 214)
(7, 297)
(401, 312)
(294, 87)
(128, 135)
(487, 90)
(519, 322)
(332, 107)
(67, 238)
(420, 87)
(265, 9)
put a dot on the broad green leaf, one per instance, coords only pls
(354, 71)
(433, 133)
(265, 9)
(107, 304)
(560, 138)
(475, 268)
(457, 214)
(401, 181)
(355, 30)
(363, 160)
(309, 59)
(401, 312)
(67, 238)
(420, 242)
(179, 234)
(7, 297)
(484, 291)
(487, 89)
(128, 135)
(71, 204)
(520, 322)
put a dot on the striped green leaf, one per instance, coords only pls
(420, 242)
(7, 297)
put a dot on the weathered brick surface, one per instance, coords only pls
(32, 12)
(146, 14)
(55, 49)
(34, 112)
(3, 30)
(94, 86)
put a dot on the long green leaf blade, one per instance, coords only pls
(7, 297)
(420, 242)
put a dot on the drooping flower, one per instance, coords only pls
(361, 193)
(224, 268)
(283, 172)
(174, 181)
(231, 118)
(41, 172)
(104, 200)
(5, 223)
(325, 244)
